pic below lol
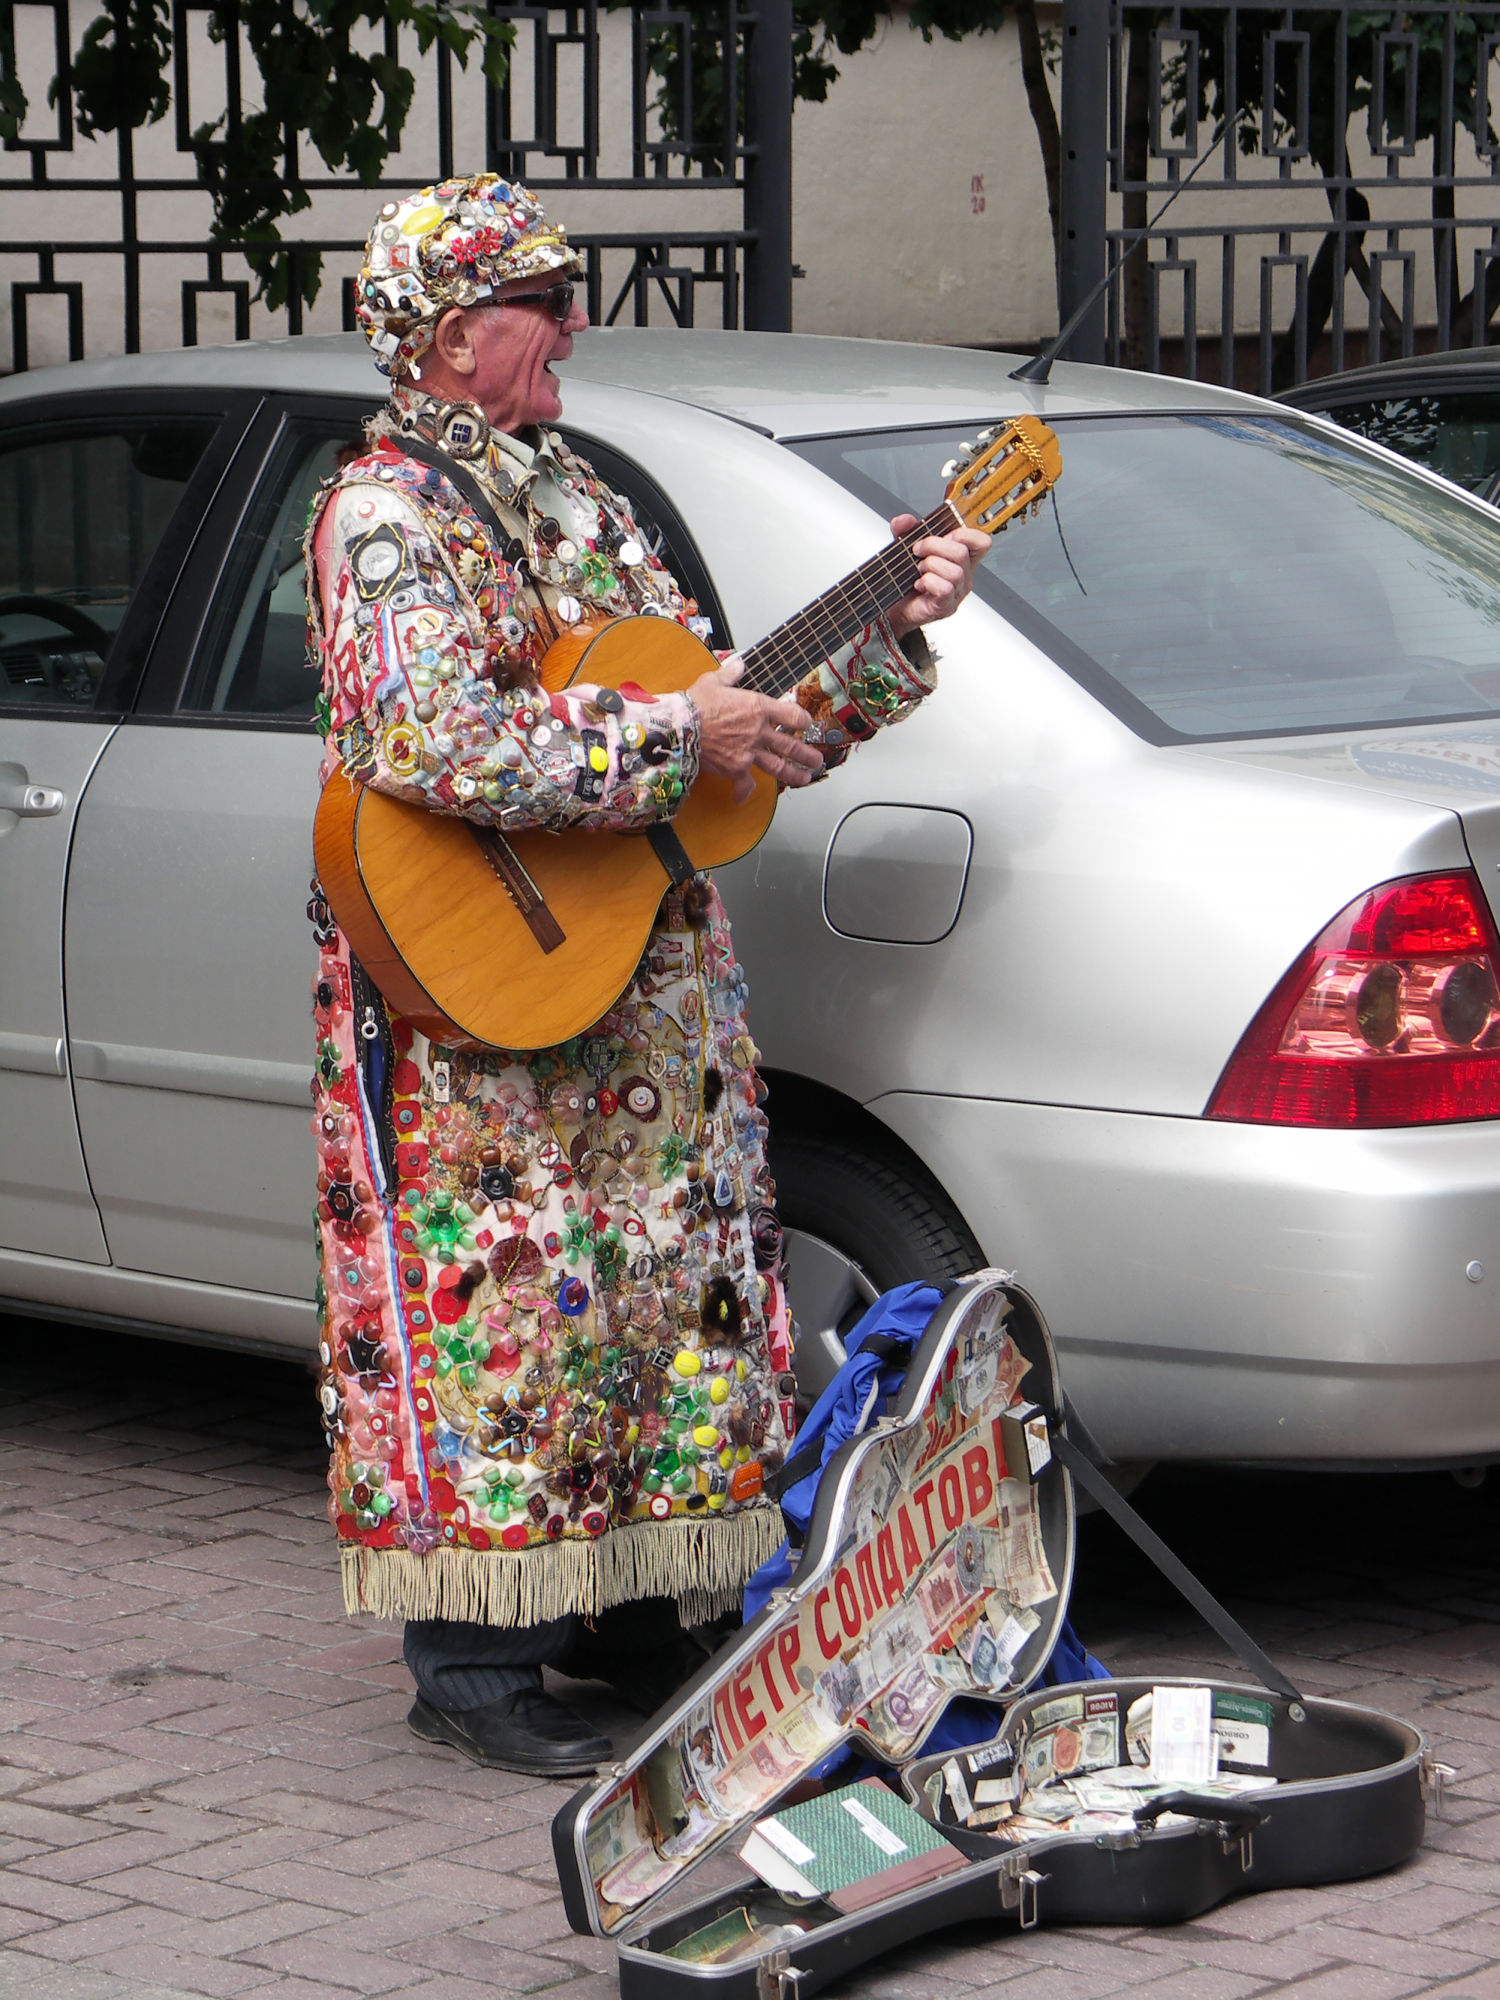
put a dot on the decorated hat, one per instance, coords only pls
(450, 245)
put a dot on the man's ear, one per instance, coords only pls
(452, 342)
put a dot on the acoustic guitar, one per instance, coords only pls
(535, 935)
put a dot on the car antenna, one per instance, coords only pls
(1039, 368)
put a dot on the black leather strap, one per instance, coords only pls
(456, 475)
(1208, 1607)
(671, 853)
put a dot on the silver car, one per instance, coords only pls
(1153, 958)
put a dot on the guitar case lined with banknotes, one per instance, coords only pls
(929, 1592)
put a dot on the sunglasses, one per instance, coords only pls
(558, 299)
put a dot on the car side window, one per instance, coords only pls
(661, 531)
(1455, 432)
(252, 657)
(83, 505)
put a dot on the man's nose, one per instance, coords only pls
(577, 320)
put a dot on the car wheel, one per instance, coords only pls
(857, 1224)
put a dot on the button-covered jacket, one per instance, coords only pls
(554, 1335)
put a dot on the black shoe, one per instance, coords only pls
(528, 1731)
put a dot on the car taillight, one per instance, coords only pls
(1390, 1017)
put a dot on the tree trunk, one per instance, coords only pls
(1043, 117)
(1135, 278)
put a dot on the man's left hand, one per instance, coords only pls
(945, 578)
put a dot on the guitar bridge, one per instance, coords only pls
(519, 886)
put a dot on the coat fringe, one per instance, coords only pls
(703, 1564)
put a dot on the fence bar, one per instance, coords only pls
(768, 169)
(1085, 115)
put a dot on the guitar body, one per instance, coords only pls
(443, 938)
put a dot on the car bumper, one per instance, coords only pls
(1243, 1292)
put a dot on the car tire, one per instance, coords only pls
(858, 1222)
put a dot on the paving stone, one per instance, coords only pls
(165, 1963)
(213, 1790)
(137, 1923)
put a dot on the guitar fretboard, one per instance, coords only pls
(784, 656)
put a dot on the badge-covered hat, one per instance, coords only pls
(450, 245)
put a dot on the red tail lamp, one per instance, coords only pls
(1390, 1017)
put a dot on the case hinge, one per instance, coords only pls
(1019, 1889)
(776, 1978)
(1434, 1777)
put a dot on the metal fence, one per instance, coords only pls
(1333, 175)
(589, 107)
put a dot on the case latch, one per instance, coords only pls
(776, 1978)
(1243, 1838)
(1434, 1777)
(1019, 1889)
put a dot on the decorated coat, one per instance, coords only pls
(554, 1337)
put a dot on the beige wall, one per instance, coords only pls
(894, 239)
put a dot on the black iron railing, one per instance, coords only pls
(561, 121)
(1336, 174)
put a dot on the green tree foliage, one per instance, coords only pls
(352, 106)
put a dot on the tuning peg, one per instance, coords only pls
(953, 468)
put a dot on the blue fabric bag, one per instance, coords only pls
(857, 1395)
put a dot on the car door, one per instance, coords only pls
(97, 498)
(190, 960)
(189, 957)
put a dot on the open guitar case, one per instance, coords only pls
(956, 1505)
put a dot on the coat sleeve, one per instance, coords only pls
(414, 709)
(875, 680)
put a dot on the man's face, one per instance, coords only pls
(513, 349)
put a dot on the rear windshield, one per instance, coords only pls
(1219, 576)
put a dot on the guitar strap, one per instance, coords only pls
(461, 477)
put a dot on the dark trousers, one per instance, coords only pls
(458, 1666)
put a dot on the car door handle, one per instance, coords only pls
(31, 801)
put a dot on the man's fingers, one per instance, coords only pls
(731, 669)
(940, 569)
(787, 752)
(787, 715)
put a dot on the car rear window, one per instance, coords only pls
(1213, 576)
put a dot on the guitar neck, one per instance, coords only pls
(784, 657)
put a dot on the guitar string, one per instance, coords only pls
(802, 641)
(780, 659)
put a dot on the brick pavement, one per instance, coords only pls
(207, 1786)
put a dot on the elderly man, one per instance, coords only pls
(555, 1340)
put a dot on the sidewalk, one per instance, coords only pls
(207, 1786)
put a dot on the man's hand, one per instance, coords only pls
(945, 578)
(738, 730)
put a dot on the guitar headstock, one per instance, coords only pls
(1007, 469)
